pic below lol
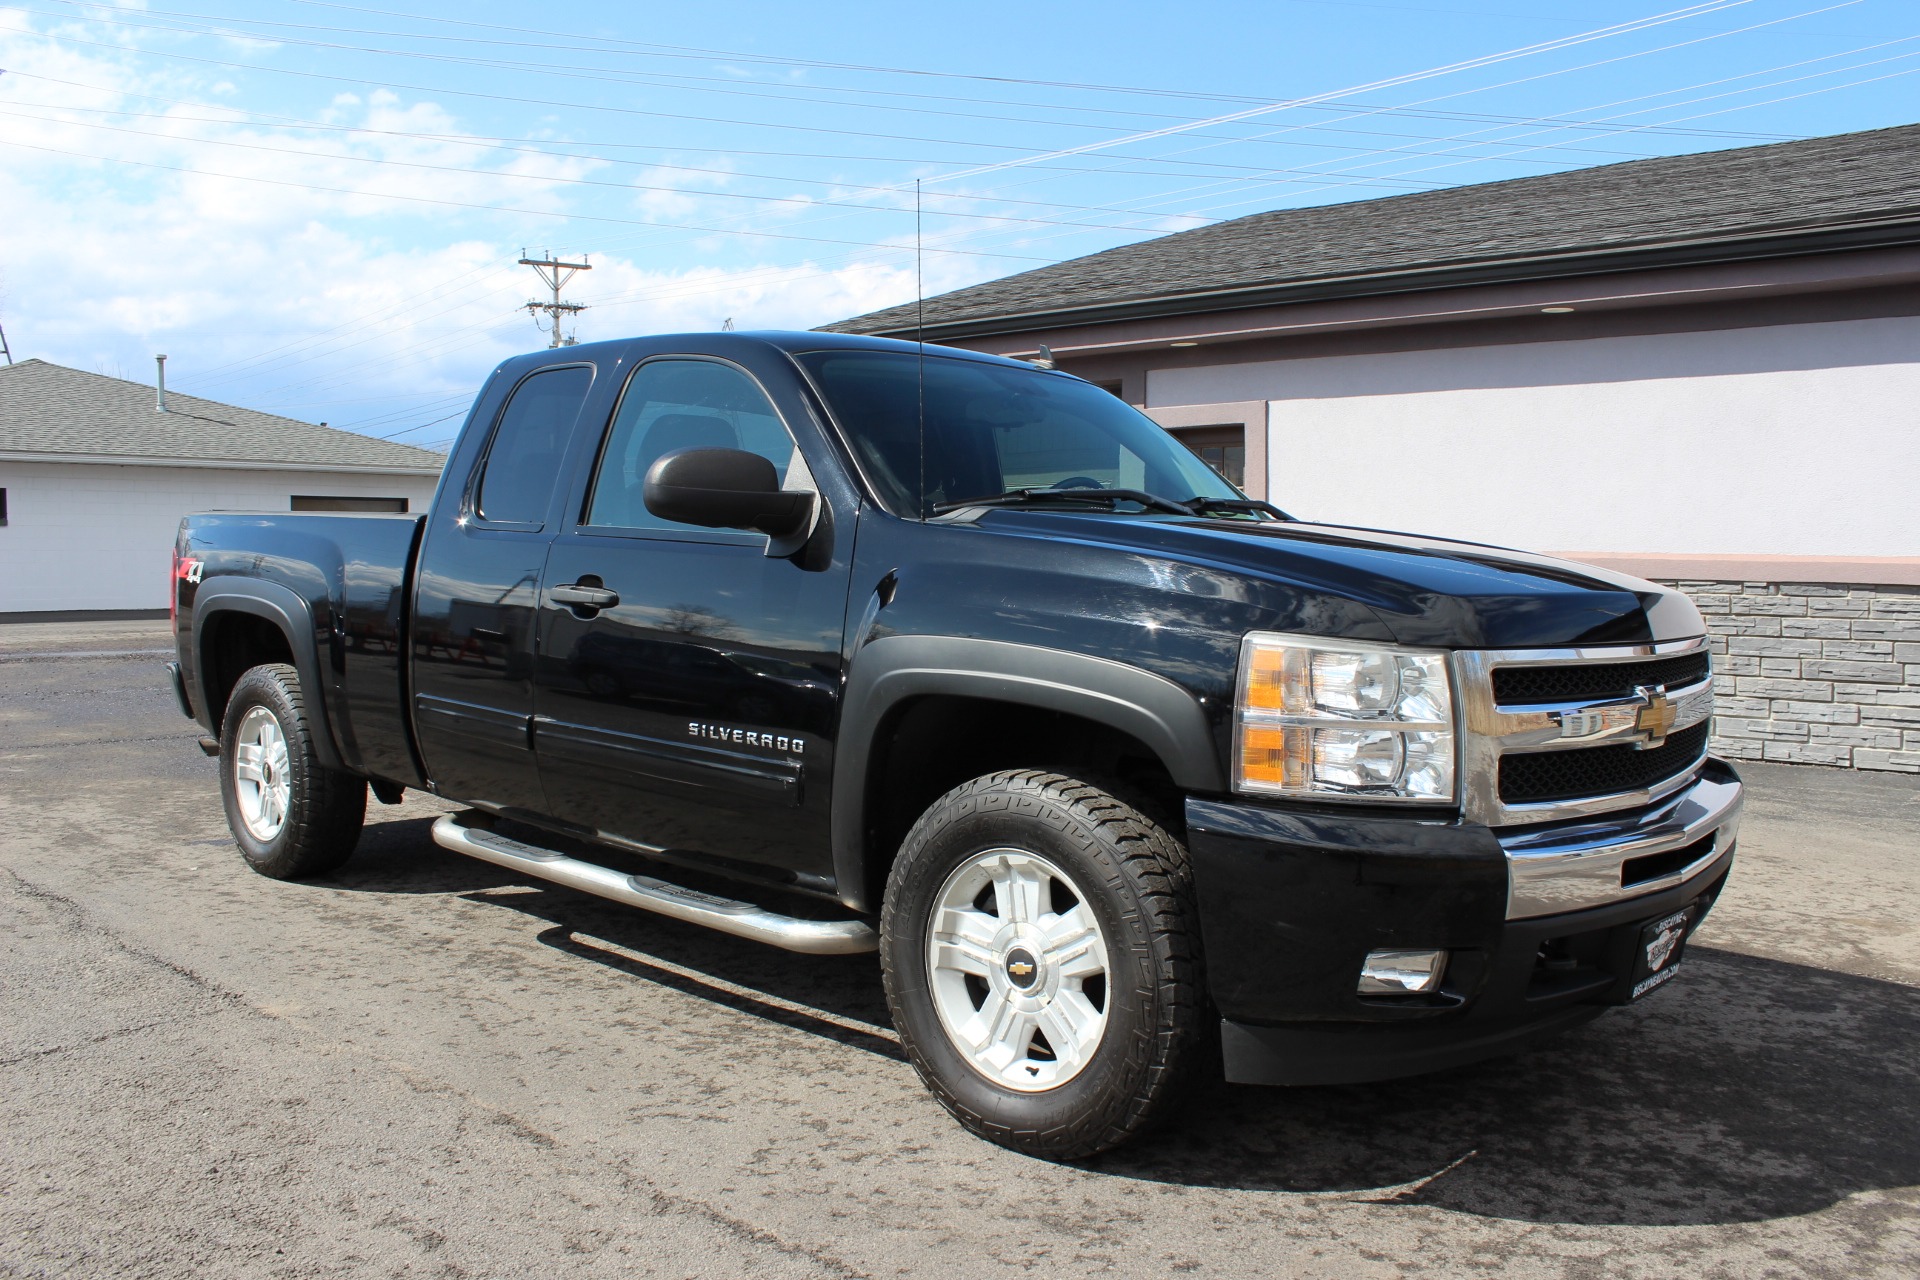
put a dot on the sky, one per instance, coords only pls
(315, 208)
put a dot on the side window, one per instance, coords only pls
(523, 460)
(684, 404)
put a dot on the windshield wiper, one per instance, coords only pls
(1025, 497)
(1200, 506)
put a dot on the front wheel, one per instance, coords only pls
(291, 816)
(1042, 962)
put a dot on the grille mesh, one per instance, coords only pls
(1598, 771)
(1517, 686)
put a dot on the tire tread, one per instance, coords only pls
(1161, 873)
(327, 807)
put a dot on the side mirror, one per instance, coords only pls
(725, 489)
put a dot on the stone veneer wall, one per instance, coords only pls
(1814, 673)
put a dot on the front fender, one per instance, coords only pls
(1166, 718)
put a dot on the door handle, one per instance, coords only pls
(581, 596)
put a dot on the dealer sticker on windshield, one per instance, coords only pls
(1660, 946)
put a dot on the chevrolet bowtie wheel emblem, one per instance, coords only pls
(1019, 970)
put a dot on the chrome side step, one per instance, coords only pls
(742, 919)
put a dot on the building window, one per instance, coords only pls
(1111, 388)
(318, 502)
(1222, 448)
(3, 506)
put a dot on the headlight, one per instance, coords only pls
(1318, 717)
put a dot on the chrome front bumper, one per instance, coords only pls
(1572, 866)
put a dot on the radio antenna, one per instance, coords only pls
(920, 336)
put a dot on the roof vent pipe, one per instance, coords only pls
(160, 393)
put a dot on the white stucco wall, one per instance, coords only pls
(101, 537)
(1778, 440)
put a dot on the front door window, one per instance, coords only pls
(684, 404)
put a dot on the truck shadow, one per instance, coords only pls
(1755, 1089)
(398, 855)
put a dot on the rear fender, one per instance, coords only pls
(294, 618)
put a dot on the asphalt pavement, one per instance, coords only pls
(421, 1066)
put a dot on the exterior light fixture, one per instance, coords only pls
(1183, 344)
(1556, 311)
(1393, 973)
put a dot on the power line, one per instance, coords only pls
(1029, 163)
(1694, 10)
(733, 86)
(467, 204)
(1030, 159)
(1544, 75)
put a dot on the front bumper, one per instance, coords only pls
(1541, 924)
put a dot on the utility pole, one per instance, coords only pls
(5, 350)
(555, 274)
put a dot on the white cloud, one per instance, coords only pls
(276, 271)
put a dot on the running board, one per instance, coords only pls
(742, 919)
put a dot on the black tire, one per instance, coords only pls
(1134, 876)
(325, 808)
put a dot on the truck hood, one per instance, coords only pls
(1425, 591)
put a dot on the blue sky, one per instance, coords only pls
(314, 208)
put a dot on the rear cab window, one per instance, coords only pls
(523, 458)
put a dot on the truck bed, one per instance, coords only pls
(354, 574)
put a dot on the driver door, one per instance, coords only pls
(691, 709)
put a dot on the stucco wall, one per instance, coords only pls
(101, 537)
(1792, 439)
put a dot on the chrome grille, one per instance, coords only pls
(1597, 771)
(1550, 734)
(1515, 686)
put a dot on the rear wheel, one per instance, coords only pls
(291, 816)
(1042, 962)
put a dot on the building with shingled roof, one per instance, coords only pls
(1701, 369)
(95, 476)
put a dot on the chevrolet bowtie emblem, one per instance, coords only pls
(1019, 969)
(1657, 717)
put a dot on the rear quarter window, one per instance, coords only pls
(523, 458)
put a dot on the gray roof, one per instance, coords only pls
(1856, 188)
(50, 409)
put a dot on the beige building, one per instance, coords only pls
(1702, 369)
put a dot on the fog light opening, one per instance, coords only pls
(1402, 973)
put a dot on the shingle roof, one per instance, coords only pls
(1745, 202)
(50, 409)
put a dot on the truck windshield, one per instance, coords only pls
(991, 428)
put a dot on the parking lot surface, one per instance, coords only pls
(423, 1067)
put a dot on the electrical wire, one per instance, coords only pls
(1375, 156)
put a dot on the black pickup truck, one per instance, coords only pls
(962, 660)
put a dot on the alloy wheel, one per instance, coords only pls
(1018, 969)
(262, 777)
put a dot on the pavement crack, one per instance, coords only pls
(104, 1037)
(79, 918)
